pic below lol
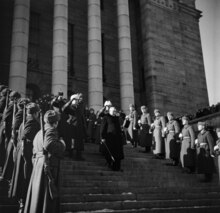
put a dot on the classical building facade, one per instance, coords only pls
(129, 51)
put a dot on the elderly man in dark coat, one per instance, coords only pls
(47, 151)
(111, 135)
(205, 152)
(76, 111)
(23, 168)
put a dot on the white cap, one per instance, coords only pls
(108, 103)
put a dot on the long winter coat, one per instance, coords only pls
(23, 163)
(145, 138)
(111, 132)
(172, 148)
(78, 123)
(38, 197)
(158, 134)
(187, 155)
(9, 161)
(132, 129)
(5, 132)
(218, 143)
(205, 163)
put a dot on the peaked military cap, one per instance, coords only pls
(156, 110)
(202, 123)
(185, 117)
(2, 87)
(32, 108)
(23, 101)
(14, 94)
(131, 105)
(4, 91)
(170, 114)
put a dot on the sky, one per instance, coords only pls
(210, 37)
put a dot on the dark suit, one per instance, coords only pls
(111, 132)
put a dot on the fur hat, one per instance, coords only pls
(32, 108)
(51, 116)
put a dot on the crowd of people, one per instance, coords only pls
(34, 137)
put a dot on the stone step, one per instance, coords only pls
(118, 205)
(198, 209)
(132, 196)
(141, 190)
(100, 181)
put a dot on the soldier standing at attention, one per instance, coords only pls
(145, 124)
(47, 153)
(5, 126)
(172, 147)
(3, 93)
(205, 153)
(158, 134)
(187, 153)
(133, 126)
(217, 150)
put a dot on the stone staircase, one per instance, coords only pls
(145, 185)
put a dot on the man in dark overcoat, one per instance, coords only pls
(111, 135)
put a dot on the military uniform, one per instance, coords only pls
(9, 161)
(51, 148)
(187, 155)
(158, 135)
(133, 128)
(91, 127)
(5, 127)
(218, 144)
(205, 163)
(23, 167)
(145, 138)
(172, 147)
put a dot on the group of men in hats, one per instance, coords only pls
(173, 140)
(34, 136)
(31, 146)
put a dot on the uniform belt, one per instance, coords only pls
(186, 137)
(202, 144)
(171, 131)
(39, 154)
(157, 126)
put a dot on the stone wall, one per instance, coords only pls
(174, 69)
